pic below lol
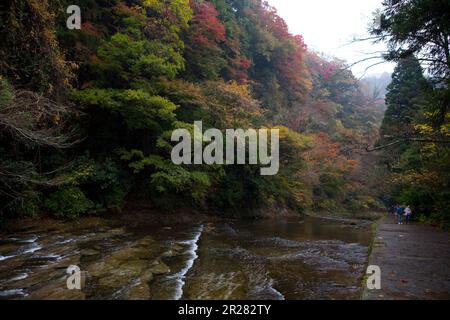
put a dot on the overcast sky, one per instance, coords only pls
(329, 26)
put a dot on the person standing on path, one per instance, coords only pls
(400, 212)
(408, 213)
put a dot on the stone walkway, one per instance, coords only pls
(414, 262)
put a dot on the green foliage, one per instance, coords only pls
(168, 178)
(139, 109)
(6, 94)
(68, 203)
(124, 59)
(292, 145)
(404, 99)
(176, 12)
(327, 205)
(103, 181)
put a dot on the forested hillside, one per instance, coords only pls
(86, 115)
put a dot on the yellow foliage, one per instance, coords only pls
(294, 139)
(445, 128)
(424, 128)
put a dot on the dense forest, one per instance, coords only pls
(86, 115)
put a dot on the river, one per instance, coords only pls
(308, 258)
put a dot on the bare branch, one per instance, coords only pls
(39, 121)
(422, 140)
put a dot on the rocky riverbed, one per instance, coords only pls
(300, 258)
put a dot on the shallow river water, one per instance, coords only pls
(284, 259)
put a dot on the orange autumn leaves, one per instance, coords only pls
(326, 155)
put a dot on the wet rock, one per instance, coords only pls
(102, 268)
(44, 259)
(138, 261)
(209, 228)
(57, 292)
(89, 252)
(113, 281)
(147, 276)
(169, 253)
(138, 292)
(134, 253)
(159, 267)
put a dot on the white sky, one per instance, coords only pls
(329, 26)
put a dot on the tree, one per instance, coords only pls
(419, 27)
(405, 99)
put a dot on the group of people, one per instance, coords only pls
(402, 214)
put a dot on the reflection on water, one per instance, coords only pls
(287, 259)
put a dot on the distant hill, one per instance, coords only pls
(375, 85)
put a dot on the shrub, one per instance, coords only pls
(68, 203)
(108, 185)
(102, 181)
